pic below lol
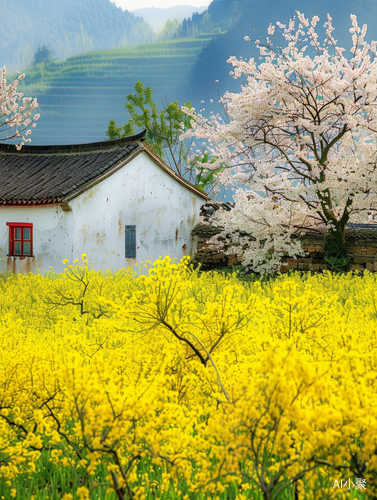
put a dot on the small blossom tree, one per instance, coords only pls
(301, 137)
(17, 113)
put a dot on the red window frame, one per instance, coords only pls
(12, 238)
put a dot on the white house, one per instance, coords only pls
(116, 201)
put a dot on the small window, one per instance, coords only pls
(20, 239)
(130, 242)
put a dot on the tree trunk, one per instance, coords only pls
(296, 492)
(267, 495)
(334, 248)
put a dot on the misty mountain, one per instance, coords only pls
(78, 97)
(66, 27)
(253, 21)
(156, 17)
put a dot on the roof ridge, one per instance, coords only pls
(72, 148)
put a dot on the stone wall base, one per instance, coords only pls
(363, 257)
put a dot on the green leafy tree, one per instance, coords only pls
(163, 131)
(205, 178)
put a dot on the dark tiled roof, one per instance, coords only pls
(48, 174)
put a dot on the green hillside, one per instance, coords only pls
(78, 97)
(67, 27)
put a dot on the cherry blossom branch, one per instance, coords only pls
(17, 113)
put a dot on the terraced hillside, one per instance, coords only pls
(78, 97)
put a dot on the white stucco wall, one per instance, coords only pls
(52, 237)
(141, 193)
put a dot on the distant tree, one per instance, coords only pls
(16, 111)
(163, 135)
(42, 55)
(170, 30)
(84, 42)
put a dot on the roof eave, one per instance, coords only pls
(33, 203)
(72, 148)
(173, 174)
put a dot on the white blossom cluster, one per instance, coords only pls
(17, 113)
(301, 137)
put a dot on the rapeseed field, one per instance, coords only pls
(176, 384)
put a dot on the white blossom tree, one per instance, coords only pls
(301, 138)
(17, 113)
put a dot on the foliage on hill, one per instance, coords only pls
(157, 17)
(67, 27)
(220, 16)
